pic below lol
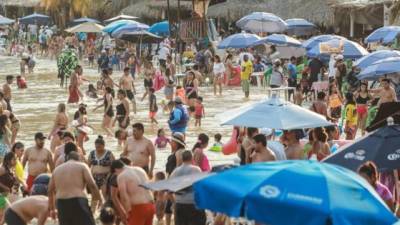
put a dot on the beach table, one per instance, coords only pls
(258, 76)
(320, 86)
(278, 91)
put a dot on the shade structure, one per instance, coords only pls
(131, 27)
(121, 17)
(349, 49)
(175, 184)
(262, 22)
(88, 27)
(384, 35)
(161, 28)
(381, 146)
(273, 113)
(141, 36)
(279, 39)
(5, 20)
(380, 68)
(286, 52)
(84, 20)
(117, 24)
(385, 110)
(300, 27)
(373, 57)
(240, 40)
(314, 41)
(35, 18)
(293, 192)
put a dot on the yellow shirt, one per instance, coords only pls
(351, 115)
(247, 69)
(19, 170)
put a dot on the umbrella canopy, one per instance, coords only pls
(117, 24)
(369, 59)
(311, 192)
(175, 184)
(279, 39)
(88, 27)
(142, 36)
(273, 113)
(262, 22)
(5, 20)
(381, 146)
(129, 28)
(35, 18)
(388, 109)
(240, 40)
(300, 27)
(161, 28)
(385, 35)
(121, 17)
(349, 49)
(84, 20)
(380, 68)
(314, 41)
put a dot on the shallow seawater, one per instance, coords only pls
(36, 107)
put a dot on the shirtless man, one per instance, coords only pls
(140, 150)
(137, 202)
(67, 190)
(260, 151)
(24, 210)
(7, 91)
(291, 139)
(38, 158)
(386, 93)
(126, 83)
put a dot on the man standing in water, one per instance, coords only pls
(38, 158)
(126, 83)
(7, 91)
(140, 150)
(136, 201)
(247, 69)
(67, 190)
(260, 151)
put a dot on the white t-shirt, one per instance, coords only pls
(163, 53)
(332, 69)
(218, 68)
(277, 76)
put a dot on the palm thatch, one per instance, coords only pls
(173, 4)
(357, 4)
(21, 3)
(143, 9)
(317, 11)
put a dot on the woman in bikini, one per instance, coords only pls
(191, 88)
(82, 128)
(362, 98)
(108, 111)
(122, 110)
(149, 73)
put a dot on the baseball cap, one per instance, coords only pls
(40, 135)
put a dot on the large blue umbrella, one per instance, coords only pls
(381, 146)
(240, 40)
(385, 35)
(293, 192)
(300, 27)
(35, 18)
(117, 24)
(161, 28)
(279, 39)
(5, 20)
(84, 20)
(273, 113)
(129, 28)
(380, 68)
(314, 41)
(262, 22)
(349, 49)
(369, 59)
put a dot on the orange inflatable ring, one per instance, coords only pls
(231, 147)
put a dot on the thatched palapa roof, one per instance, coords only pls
(185, 5)
(20, 3)
(317, 11)
(142, 9)
(357, 4)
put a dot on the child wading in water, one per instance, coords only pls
(161, 141)
(153, 106)
(199, 111)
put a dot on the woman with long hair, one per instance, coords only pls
(200, 159)
(7, 182)
(149, 73)
(362, 98)
(82, 126)
(122, 110)
(334, 102)
(108, 111)
(191, 89)
(350, 117)
(218, 71)
(320, 147)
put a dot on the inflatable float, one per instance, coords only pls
(231, 147)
